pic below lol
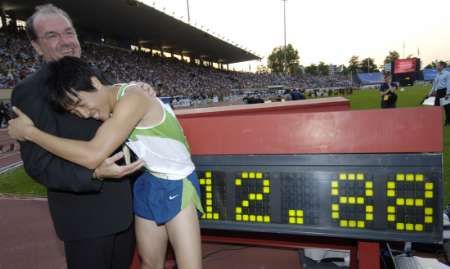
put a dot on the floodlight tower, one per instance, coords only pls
(285, 65)
(188, 15)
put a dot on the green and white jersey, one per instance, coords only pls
(162, 146)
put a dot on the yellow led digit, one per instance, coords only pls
(359, 198)
(403, 222)
(207, 182)
(248, 196)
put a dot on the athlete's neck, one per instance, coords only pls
(112, 90)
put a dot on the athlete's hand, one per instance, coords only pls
(109, 169)
(20, 127)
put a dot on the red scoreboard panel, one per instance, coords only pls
(372, 174)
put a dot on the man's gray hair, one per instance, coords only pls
(47, 9)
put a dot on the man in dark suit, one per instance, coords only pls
(93, 217)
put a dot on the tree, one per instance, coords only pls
(322, 68)
(393, 55)
(353, 64)
(434, 63)
(281, 57)
(312, 69)
(368, 65)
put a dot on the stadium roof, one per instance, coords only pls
(134, 21)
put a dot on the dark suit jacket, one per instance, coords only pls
(80, 206)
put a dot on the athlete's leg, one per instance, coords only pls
(152, 243)
(184, 235)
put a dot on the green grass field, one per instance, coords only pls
(17, 182)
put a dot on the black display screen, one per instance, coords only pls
(365, 196)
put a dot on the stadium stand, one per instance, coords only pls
(171, 76)
(429, 73)
(369, 78)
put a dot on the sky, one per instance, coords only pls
(324, 30)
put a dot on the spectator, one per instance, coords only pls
(439, 88)
(387, 91)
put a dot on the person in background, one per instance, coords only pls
(387, 91)
(440, 87)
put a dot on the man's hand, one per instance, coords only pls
(146, 87)
(109, 169)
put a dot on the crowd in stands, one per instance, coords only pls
(171, 76)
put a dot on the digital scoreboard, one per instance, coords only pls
(380, 197)
(374, 174)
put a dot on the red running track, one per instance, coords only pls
(28, 240)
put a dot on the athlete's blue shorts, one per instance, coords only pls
(160, 200)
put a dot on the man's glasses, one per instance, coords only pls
(54, 36)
